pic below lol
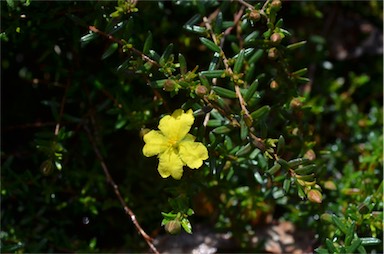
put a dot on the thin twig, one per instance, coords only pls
(115, 187)
(62, 104)
(228, 69)
(249, 6)
(121, 43)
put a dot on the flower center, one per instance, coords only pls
(172, 142)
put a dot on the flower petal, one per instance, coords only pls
(155, 143)
(177, 125)
(170, 164)
(193, 153)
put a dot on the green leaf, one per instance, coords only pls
(307, 178)
(296, 162)
(251, 90)
(213, 73)
(11, 4)
(251, 36)
(286, 185)
(167, 53)
(330, 246)
(261, 112)
(183, 64)
(283, 163)
(274, 169)
(228, 143)
(296, 45)
(305, 170)
(250, 73)
(243, 130)
(88, 38)
(280, 145)
(368, 241)
(186, 225)
(300, 72)
(148, 43)
(196, 29)
(244, 150)
(158, 83)
(219, 23)
(338, 223)
(214, 62)
(110, 50)
(210, 44)
(353, 247)
(350, 234)
(215, 123)
(239, 62)
(256, 56)
(222, 130)
(169, 216)
(223, 92)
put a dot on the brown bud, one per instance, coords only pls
(46, 167)
(173, 227)
(255, 15)
(274, 85)
(310, 155)
(330, 185)
(201, 90)
(276, 38)
(295, 103)
(315, 196)
(272, 53)
(169, 85)
(276, 5)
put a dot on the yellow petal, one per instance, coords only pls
(192, 153)
(170, 164)
(155, 143)
(177, 125)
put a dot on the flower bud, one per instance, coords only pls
(47, 167)
(276, 38)
(173, 227)
(310, 155)
(274, 85)
(255, 15)
(201, 90)
(315, 196)
(169, 85)
(330, 185)
(296, 103)
(326, 217)
(272, 53)
(276, 5)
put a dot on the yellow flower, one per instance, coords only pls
(173, 145)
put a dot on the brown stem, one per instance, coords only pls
(115, 187)
(249, 6)
(121, 43)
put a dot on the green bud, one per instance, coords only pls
(326, 217)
